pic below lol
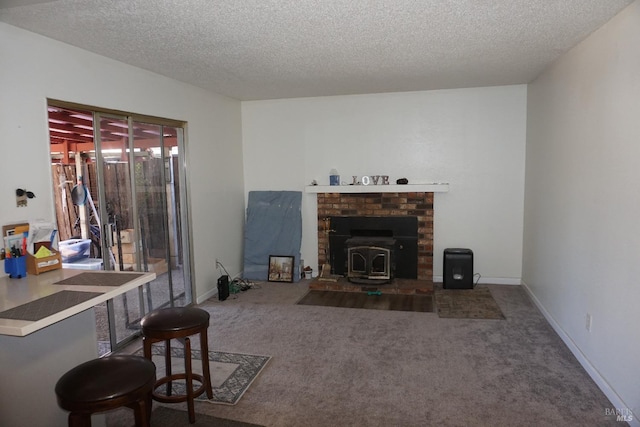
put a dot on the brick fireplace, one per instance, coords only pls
(415, 204)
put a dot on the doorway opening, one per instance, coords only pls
(118, 185)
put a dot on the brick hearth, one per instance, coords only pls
(418, 204)
(397, 286)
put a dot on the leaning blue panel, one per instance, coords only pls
(273, 227)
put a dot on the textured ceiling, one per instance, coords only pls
(264, 49)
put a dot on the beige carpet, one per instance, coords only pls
(379, 368)
(477, 303)
(167, 417)
(163, 416)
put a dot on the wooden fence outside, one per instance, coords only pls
(149, 190)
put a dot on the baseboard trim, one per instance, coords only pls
(210, 293)
(600, 381)
(489, 280)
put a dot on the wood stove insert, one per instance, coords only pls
(370, 259)
(379, 248)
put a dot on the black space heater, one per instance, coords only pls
(223, 287)
(458, 269)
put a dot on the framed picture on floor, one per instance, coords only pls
(280, 268)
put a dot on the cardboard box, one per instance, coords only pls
(126, 236)
(42, 265)
(126, 267)
(126, 258)
(158, 266)
(127, 248)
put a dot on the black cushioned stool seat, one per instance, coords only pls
(107, 383)
(179, 323)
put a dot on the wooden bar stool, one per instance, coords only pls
(107, 383)
(179, 323)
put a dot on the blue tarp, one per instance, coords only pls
(273, 227)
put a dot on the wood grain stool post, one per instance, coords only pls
(107, 383)
(179, 323)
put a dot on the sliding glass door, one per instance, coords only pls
(157, 207)
(134, 214)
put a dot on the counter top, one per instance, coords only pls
(16, 292)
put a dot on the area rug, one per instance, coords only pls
(167, 417)
(477, 303)
(231, 373)
(369, 300)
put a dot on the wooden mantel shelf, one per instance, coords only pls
(436, 187)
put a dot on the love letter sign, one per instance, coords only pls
(375, 179)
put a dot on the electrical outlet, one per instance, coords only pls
(588, 322)
(217, 263)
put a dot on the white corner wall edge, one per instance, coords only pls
(602, 383)
(214, 291)
(210, 293)
(488, 280)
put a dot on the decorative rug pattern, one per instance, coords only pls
(370, 300)
(477, 303)
(231, 373)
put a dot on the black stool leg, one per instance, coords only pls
(189, 380)
(142, 413)
(79, 420)
(149, 403)
(147, 343)
(204, 355)
(167, 362)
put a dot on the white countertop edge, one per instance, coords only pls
(22, 328)
(440, 187)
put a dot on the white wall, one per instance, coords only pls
(582, 204)
(472, 138)
(34, 68)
